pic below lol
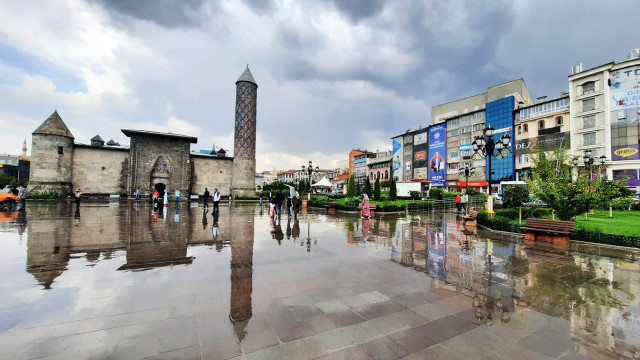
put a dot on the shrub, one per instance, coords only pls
(353, 201)
(434, 193)
(415, 195)
(450, 194)
(622, 203)
(389, 206)
(542, 212)
(44, 195)
(384, 195)
(247, 197)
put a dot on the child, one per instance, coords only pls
(272, 209)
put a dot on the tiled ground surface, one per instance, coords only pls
(264, 292)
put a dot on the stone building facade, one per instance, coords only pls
(153, 161)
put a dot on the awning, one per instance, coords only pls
(473, 183)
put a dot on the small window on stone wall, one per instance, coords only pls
(60, 150)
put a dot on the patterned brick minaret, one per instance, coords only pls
(244, 145)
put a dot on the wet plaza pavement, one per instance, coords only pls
(119, 281)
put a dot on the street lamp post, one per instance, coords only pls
(467, 171)
(310, 171)
(485, 146)
(588, 159)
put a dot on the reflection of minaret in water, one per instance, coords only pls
(241, 272)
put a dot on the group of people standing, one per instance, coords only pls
(277, 200)
(461, 202)
(215, 198)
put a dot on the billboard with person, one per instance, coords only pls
(437, 160)
(397, 158)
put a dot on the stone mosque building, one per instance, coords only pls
(153, 160)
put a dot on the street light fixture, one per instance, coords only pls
(485, 146)
(467, 171)
(310, 171)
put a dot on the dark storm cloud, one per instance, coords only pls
(359, 9)
(165, 13)
(440, 36)
(260, 6)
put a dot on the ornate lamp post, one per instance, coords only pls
(485, 146)
(467, 171)
(310, 171)
(588, 159)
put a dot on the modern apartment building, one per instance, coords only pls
(605, 116)
(465, 119)
(544, 126)
(410, 150)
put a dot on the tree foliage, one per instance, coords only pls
(393, 190)
(551, 182)
(515, 196)
(367, 188)
(351, 186)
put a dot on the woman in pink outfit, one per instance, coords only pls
(366, 212)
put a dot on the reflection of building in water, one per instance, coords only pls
(241, 272)
(609, 319)
(413, 240)
(53, 235)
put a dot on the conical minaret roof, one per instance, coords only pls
(247, 77)
(54, 126)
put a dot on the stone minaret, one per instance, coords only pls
(244, 144)
(24, 148)
(51, 156)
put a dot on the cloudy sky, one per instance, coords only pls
(333, 75)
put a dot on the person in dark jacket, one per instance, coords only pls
(206, 198)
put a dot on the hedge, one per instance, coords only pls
(501, 223)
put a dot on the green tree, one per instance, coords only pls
(351, 186)
(376, 190)
(605, 191)
(393, 190)
(367, 188)
(515, 196)
(551, 182)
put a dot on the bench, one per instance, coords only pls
(470, 219)
(555, 231)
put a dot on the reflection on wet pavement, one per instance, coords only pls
(125, 281)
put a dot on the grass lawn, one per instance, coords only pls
(623, 222)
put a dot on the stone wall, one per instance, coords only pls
(157, 159)
(100, 170)
(52, 162)
(211, 172)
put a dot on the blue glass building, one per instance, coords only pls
(499, 114)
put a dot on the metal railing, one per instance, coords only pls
(444, 205)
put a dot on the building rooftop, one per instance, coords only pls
(129, 133)
(54, 125)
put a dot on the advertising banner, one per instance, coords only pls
(543, 142)
(397, 158)
(420, 173)
(630, 175)
(420, 150)
(628, 152)
(625, 113)
(436, 252)
(437, 162)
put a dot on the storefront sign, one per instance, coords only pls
(626, 152)
(420, 155)
(548, 142)
(465, 147)
(473, 183)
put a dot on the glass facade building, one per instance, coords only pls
(499, 114)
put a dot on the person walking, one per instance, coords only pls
(155, 197)
(261, 199)
(137, 193)
(458, 200)
(463, 202)
(279, 201)
(78, 197)
(366, 210)
(22, 196)
(177, 194)
(296, 204)
(216, 200)
(289, 206)
(206, 198)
